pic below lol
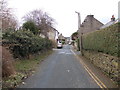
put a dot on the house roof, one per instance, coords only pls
(53, 29)
(92, 17)
(109, 24)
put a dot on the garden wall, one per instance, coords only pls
(107, 63)
(102, 49)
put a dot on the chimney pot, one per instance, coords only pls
(90, 15)
(113, 18)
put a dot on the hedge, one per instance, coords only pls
(105, 40)
(26, 43)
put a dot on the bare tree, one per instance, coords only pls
(34, 16)
(41, 19)
(7, 19)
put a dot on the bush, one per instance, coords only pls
(78, 44)
(7, 62)
(26, 43)
(30, 25)
(105, 40)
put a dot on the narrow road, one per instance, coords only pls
(61, 70)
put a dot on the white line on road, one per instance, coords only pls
(61, 53)
(68, 70)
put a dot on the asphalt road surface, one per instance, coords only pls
(60, 70)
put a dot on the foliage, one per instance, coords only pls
(24, 68)
(7, 62)
(74, 35)
(7, 17)
(13, 80)
(42, 19)
(30, 25)
(105, 40)
(26, 43)
(78, 44)
(27, 66)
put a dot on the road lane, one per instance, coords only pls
(60, 70)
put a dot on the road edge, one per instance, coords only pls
(99, 82)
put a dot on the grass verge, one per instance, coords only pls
(24, 68)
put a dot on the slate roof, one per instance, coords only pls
(109, 23)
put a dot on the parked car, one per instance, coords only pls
(59, 45)
(69, 43)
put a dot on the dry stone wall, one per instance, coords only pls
(107, 63)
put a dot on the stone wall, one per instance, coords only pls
(90, 24)
(107, 63)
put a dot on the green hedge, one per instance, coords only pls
(25, 43)
(105, 40)
(78, 44)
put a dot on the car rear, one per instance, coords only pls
(59, 45)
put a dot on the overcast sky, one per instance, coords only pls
(63, 11)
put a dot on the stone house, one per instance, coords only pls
(61, 38)
(67, 40)
(90, 24)
(53, 35)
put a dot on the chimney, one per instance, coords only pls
(90, 15)
(113, 18)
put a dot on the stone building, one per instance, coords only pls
(61, 38)
(67, 40)
(53, 35)
(90, 24)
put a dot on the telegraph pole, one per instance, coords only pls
(1, 12)
(119, 11)
(79, 32)
(79, 20)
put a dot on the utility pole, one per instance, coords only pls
(119, 11)
(1, 12)
(79, 32)
(79, 20)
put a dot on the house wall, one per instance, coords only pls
(90, 24)
(51, 34)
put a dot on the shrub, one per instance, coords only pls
(30, 25)
(25, 43)
(105, 40)
(78, 44)
(7, 62)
